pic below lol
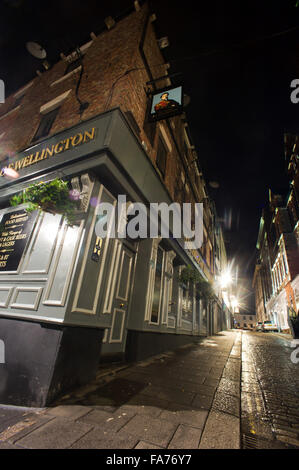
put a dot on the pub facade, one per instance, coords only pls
(69, 298)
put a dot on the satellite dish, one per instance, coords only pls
(36, 50)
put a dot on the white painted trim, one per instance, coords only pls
(53, 104)
(25, 279)
(105, 336)
(171, 319)
(186, 325)
(61, 302)
(118, 297)
(151, 277)
(9, 289)
(75, 307)
(73, 56)
(34, 306)
(161, 288)
(29, 316)
(10, 112)
(40, 271)
(110, 288)
(68, 75)
(122, 326)
(23, 90)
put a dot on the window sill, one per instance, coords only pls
(10, 112)
(65, 77)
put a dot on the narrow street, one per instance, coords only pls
(237, 389)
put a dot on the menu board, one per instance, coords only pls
(15, 230)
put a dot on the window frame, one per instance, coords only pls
(38, 137)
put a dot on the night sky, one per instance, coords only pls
(237, 61)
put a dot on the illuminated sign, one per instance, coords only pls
(166, 103)
(55, 149)
(15, 230)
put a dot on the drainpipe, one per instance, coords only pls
(141, 46)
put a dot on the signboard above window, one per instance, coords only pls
(166, 103)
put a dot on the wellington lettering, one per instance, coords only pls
(55, 149)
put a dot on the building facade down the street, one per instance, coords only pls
(67, 295)
(244, 321)
(276, 277)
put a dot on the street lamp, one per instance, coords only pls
(225, 279)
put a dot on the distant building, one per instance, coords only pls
(244, 321)
(69, 298)
(276, 276)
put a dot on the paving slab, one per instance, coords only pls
(155, 430)
(147, 445)
(59, 433)
(112, 422)
(185, 437)
(103, 439)
(222, 431)
(10, 416)
(192, 417)
(29, 423)
(71, 412)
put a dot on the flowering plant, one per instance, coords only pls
(53, 196)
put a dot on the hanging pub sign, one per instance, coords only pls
(166, 103)
(15, 230)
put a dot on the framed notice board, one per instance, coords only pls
(15, 231)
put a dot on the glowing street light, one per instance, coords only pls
(225, 279)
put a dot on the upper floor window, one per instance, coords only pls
(45, 124)
(161, 157)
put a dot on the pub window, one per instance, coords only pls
(45, 124)
(187, 302)
(73, 65)
(161, 157)
(157, 286)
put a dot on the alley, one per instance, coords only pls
(221, 393)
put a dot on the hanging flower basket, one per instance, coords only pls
(53, 197)
(202, 287)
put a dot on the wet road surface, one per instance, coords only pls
(269, 392)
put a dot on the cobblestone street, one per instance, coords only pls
(233, 390)
(270, 392)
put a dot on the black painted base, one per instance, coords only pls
(42, 360)
(143, 344)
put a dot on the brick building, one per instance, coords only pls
(69, 296)
(276, 277)
(242, 320)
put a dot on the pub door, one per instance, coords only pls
(121, 270)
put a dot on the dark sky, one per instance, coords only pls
(237, 61)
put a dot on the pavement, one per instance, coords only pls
(234, 390)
